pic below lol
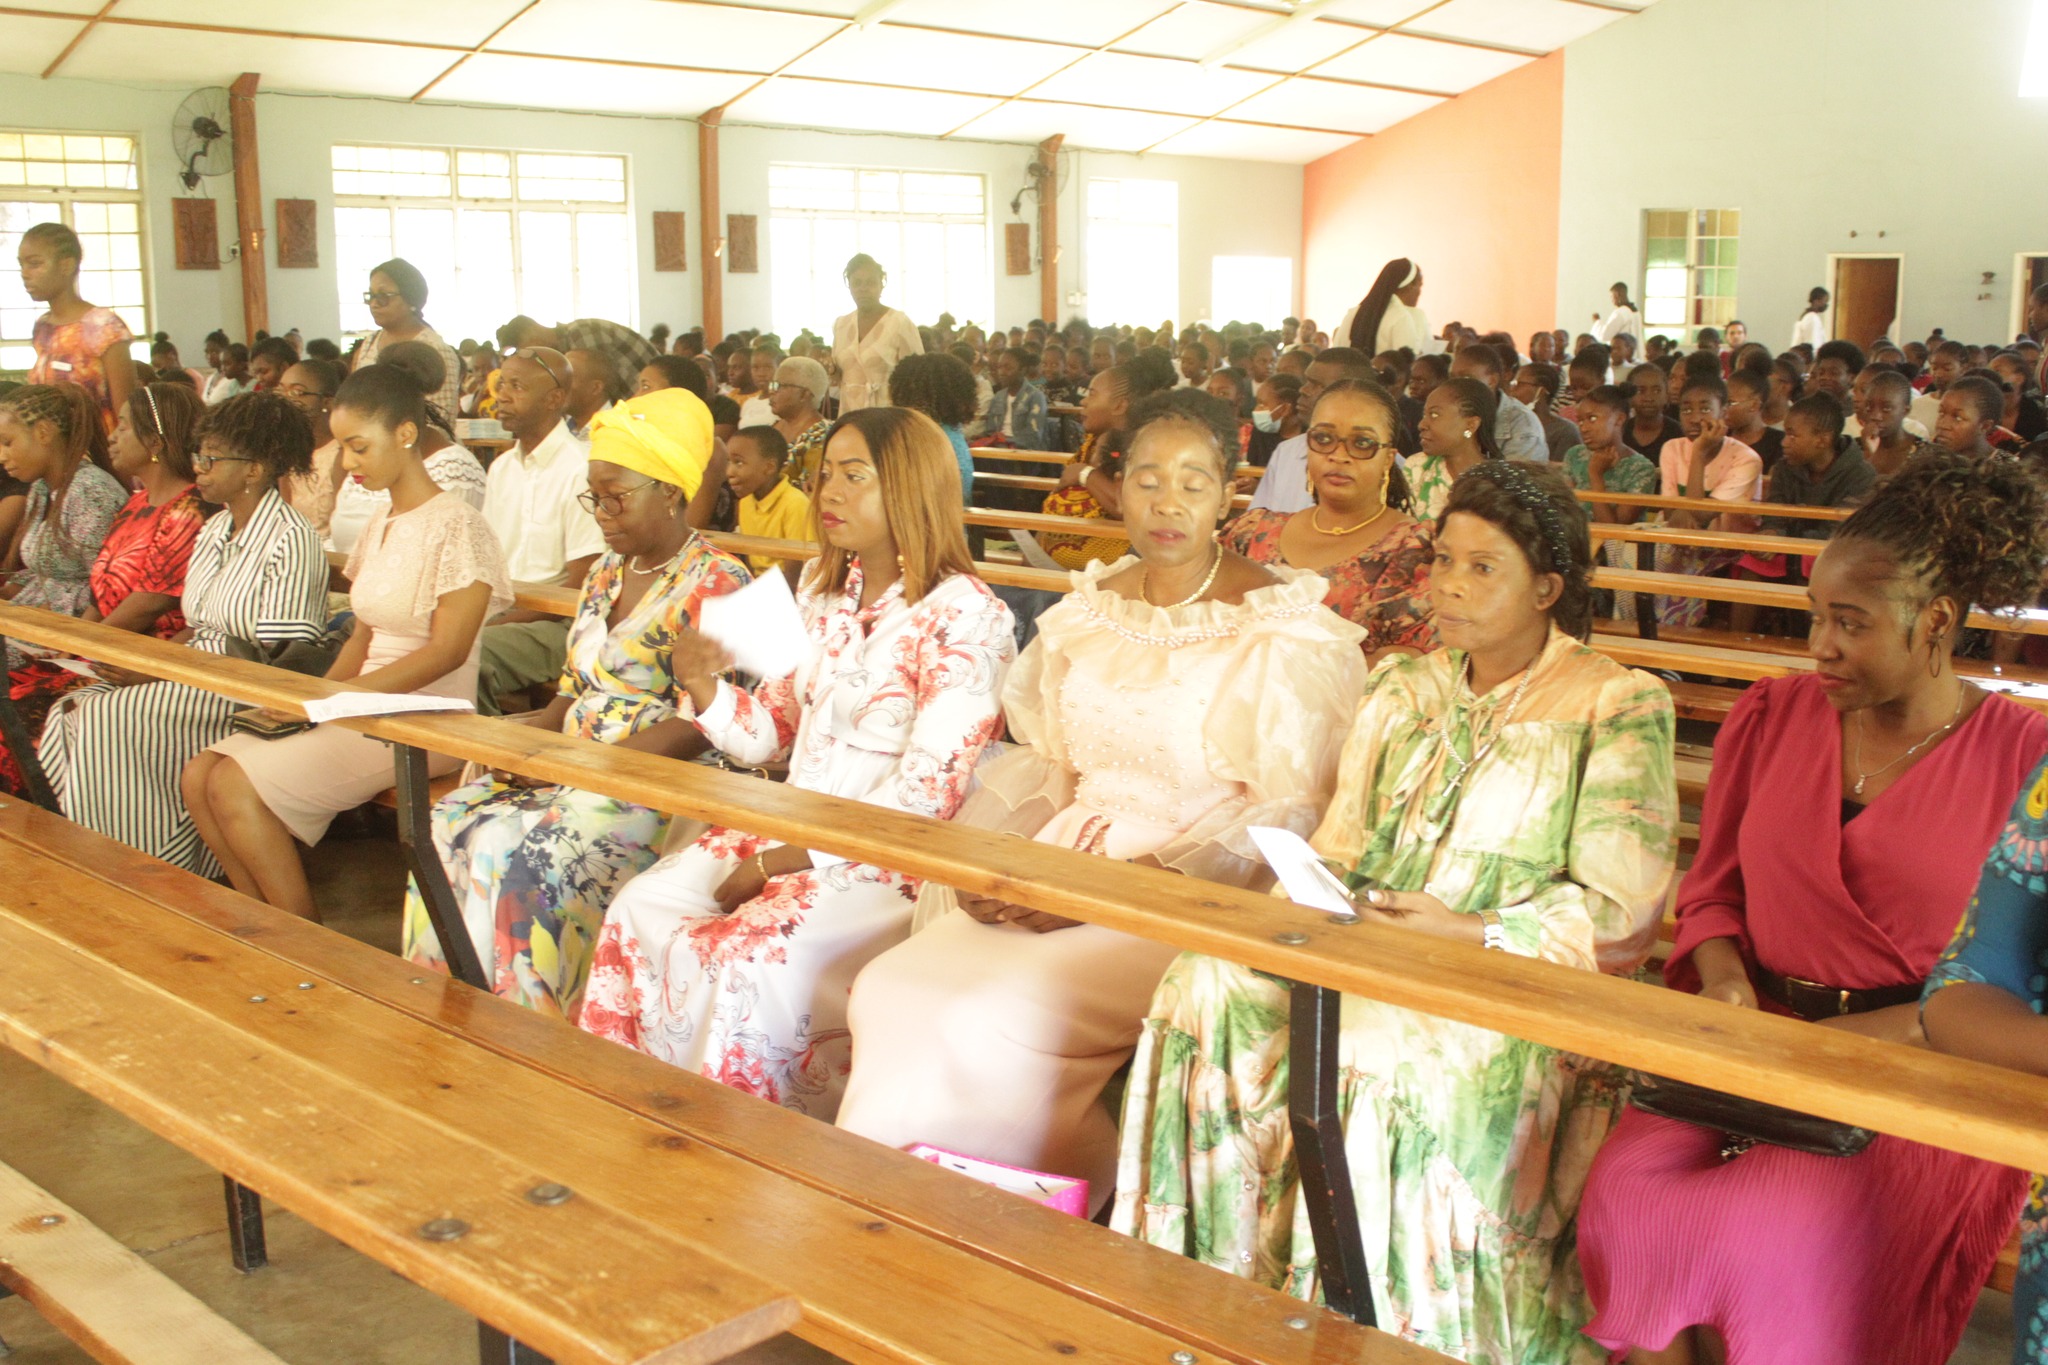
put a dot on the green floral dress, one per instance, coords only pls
(1468, 1148)
(533, 868)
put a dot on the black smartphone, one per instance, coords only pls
(266, 726)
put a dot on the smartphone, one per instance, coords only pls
(266, 726)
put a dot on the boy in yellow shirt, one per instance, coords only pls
(769, 505)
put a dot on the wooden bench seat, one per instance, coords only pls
(304, 1062)
(116, 1306)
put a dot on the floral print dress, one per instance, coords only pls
(894, 708)
(1468, 1148)
(57, 556)
(75, 353)
(1384, 590)
(2003, 942)
(533, 868)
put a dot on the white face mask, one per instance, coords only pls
(1265, 420)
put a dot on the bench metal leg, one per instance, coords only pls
(416, 838)
(1646, 605)
(1312, 1116)
(22, 745)
(495, 1348)
(245, 1226)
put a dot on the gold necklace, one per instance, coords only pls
(1317, 526)
(1214, 566)
(1856, 759)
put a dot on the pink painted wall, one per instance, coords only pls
(1468, 190)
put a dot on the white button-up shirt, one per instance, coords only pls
(530, 502)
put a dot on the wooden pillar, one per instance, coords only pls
(249, 206)
(1049, 230)
(711, 226)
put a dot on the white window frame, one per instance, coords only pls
(61, 201)
(348, 294)
(966, 310)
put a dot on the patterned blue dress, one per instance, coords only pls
(2003, 942)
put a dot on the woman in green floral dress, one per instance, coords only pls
(1515, 790)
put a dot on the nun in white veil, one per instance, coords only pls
(1387, 318)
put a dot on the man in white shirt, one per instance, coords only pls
(547, 536)
(1516, 428)
(1284, 485)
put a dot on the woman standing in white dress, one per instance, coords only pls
(733, 958)
(867, 343)
(1389, 317)
(1171, 701)
(1624, 321)
(425, 575)
(257, 577)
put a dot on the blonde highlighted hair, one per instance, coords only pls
(920, 481)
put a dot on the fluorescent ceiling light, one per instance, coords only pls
(1303, 12)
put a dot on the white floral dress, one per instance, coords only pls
(894, 708)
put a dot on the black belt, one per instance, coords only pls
(1812, 1000)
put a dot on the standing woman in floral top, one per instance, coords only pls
(1512, 790)
(50, 439)
(76, 343)
(1357, 534)
(533, 865)
(734, 957)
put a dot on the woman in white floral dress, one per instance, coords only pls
(734, 957)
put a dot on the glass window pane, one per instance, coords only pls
(484, 274)
(604, 268)
(547, 266)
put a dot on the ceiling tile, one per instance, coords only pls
(448, 23)
(1538, 25)
(1249, 142)
(920, 58)
(1294, 45)
(798, 103)
(699, 35)
(847, 8)
(1155, 83)
(1090, 23)
(1107, 130)
(1382, 13)
(116, 52)
(1422, 64)
(1310, 103)
(1195, 30)
(29, 45)
(500, 78)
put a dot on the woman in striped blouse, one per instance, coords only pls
(113, 751)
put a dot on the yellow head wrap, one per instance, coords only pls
(665, 435)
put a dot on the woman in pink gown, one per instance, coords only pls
(1849, 813)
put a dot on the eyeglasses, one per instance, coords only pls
(301, 391)
(613, 504)
(533, 353)
(1362, 447)
(380, 298)
(203, 462)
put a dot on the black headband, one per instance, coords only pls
(1516, 483)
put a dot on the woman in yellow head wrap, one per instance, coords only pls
(666, 436)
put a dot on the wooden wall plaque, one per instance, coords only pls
(671, 242)
(742, 244)
(197, 232)
(1017, 248)
(298, 234)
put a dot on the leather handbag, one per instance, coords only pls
(310, 657)
(1744, 1123)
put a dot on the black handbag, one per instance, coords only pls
(310, 657)
(1744, 1123)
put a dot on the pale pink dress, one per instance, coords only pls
(401, 568)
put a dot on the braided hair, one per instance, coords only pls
(1534, 507)
(1969, 527)
(79, 429)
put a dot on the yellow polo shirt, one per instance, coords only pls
(784, 514)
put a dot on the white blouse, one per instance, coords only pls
(865, 361)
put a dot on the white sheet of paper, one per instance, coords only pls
(78, 666)
(1302, 874)
(355, 704)
(760, 626)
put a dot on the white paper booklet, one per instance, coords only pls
(1302, 874)
(351, 705)
(760, 626)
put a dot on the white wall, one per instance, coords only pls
(1893, 120)
(1226, 207)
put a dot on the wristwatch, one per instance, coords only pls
(1496, 932)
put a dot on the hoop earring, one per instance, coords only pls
(1934, 648)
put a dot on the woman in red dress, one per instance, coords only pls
(139, 574)
(1849, 813)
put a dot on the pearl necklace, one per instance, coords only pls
(1215, 566)
(631, 567)
(1443, 734)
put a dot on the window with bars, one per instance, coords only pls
(1691, 257)
(928, 229)
(495, 233)
(88, 182)
(1133, 252)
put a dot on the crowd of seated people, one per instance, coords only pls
(1378, 637)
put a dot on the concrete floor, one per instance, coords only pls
(318, 1302)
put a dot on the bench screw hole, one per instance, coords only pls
(50, 1220)
(550, 1194)
(258, 999)
(1290, 938)
(1183, 1358)
(444, 1230)
(419, 981)
(305, 985)
(1344, 917)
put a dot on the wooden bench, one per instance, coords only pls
(116, 1306)
(378, 1100)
